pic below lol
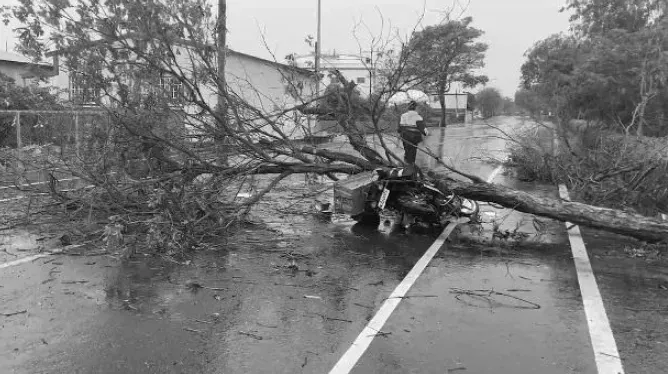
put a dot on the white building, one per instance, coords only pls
(264, 84)
(359, 68)
(22, 69)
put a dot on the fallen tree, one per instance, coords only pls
(612, 220)
(187, 192)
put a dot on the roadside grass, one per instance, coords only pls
(600, 167)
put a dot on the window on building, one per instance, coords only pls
(82, 90)
(172, 88)
(361, 80)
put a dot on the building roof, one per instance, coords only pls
(188, 43)
(19, 59)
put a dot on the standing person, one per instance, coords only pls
(411, 129)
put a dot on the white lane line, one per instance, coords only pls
(23, 260)
(602, 340)
(350, 358)
(364, 339)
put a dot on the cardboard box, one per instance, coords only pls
(350, 194)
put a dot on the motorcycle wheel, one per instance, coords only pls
(367, 219)
(468, 208)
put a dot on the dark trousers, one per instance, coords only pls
(411, 138)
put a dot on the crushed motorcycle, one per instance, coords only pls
(403, 192)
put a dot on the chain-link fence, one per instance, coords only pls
(35, 143)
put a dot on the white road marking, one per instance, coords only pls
(602, 340)
(350, 358)
(494, 174)
(23, 260)
(364, 339)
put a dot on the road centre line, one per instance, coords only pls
(602, 339)
(350, 358)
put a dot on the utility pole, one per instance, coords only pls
(221, 31)
(317, 54)
(221, 34)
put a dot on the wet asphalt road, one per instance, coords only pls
(294, 299)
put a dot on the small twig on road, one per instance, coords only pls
(410, 296)
(332, 318)
(665, 309)
(201, 321)
(291, 285)
(381, 333)
(254, 336)
(455, 369)
(13, 313)
(363, 306)
(488, 293)
(193, 330)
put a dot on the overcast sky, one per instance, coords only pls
(510, 26)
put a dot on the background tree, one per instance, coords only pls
(446, 53)
(610, 70)
(15, 97)
(489, 101)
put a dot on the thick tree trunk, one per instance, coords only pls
(441, 100)
(612, 220)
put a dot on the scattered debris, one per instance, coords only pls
(382, 333)
(65, 240)
(194, 286)
(13, 313)
(411, 296)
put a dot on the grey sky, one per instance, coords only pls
(511, 26)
